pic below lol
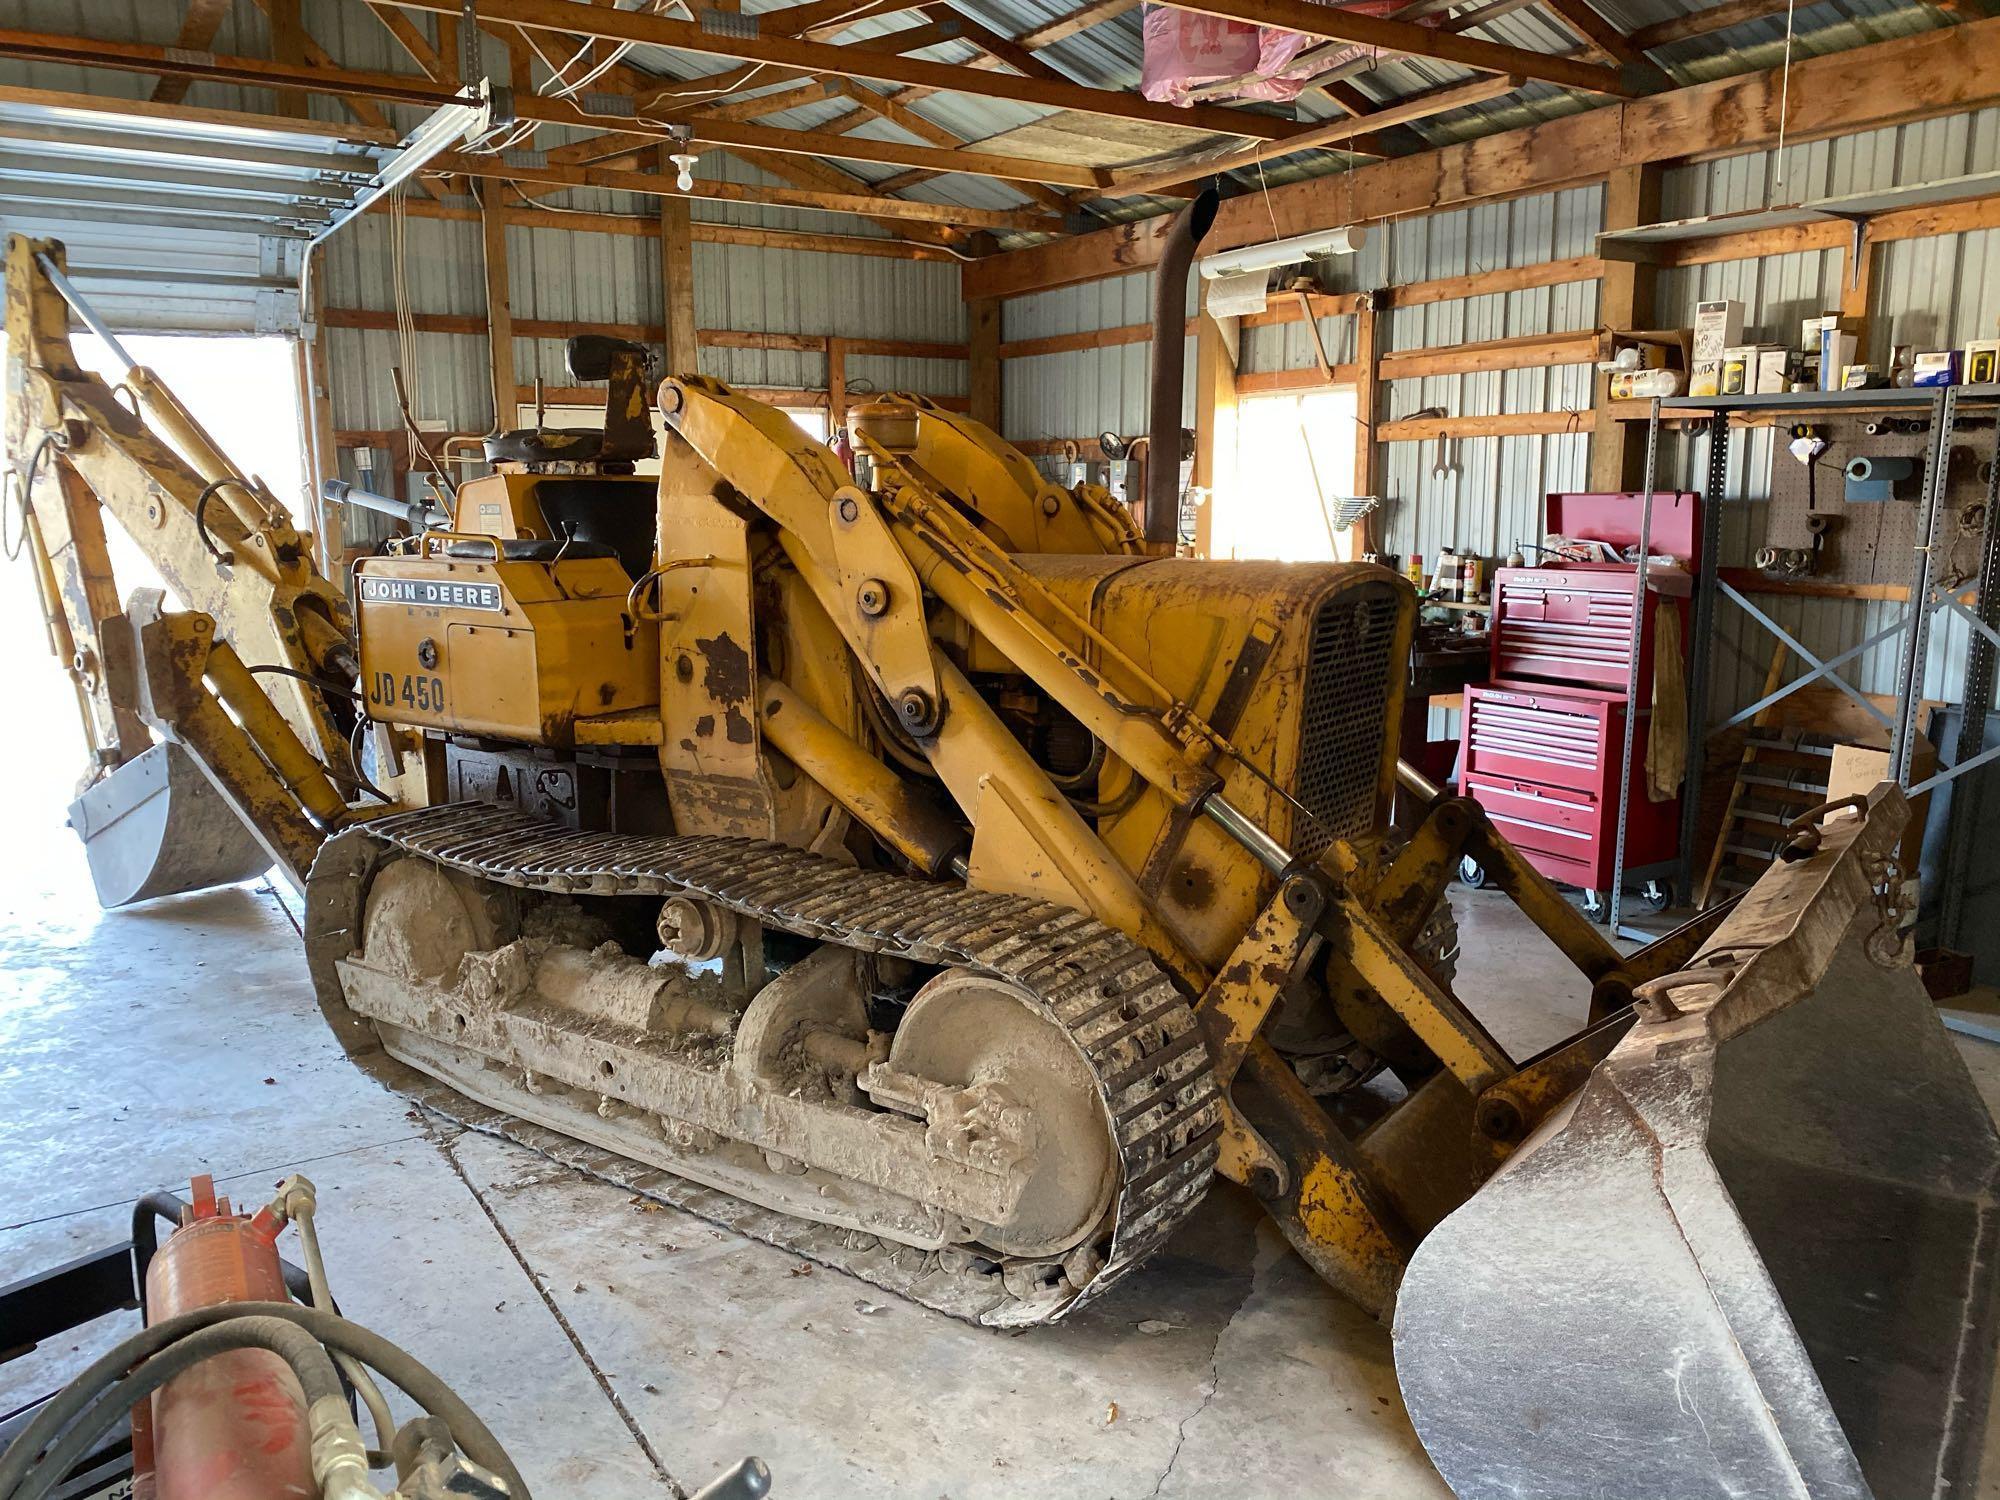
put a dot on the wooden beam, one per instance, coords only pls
(663, 185)
(717, 131)
(1369, 327)
(1624, 302)
(136, 57)
(1215, 350)
(363, 110)
(926, 129)
(982, 352)
(677, 285)
(475, 324)
(1705, 22)
(1916, 77)
(1511, 424)
(499, 314)
(1277, 382)
(817, 57)
(593, 395)
(647, 226)
(1412, 40)
(1857, 295)
(1096, 13)
(199, 23)
(836, 384)
(1583, 18)
(1487, 283)
(413, 41)
(1524, 352)
(1333, 133)
(288, 46)
(824, 178)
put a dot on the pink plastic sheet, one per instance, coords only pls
(1186, 51)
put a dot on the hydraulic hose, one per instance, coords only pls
(299, 1349)
(403, 1370)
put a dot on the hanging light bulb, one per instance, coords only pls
(684, 160)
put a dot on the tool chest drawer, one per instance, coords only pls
(1571, 625)
(1539, 734)
(1558, 829)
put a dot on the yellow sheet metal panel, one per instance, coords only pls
(517, 650)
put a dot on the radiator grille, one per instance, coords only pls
(1345, 722)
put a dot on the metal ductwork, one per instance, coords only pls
(1163, 448)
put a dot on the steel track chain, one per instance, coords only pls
(1134, 1030)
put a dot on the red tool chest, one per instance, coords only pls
(1540, 744)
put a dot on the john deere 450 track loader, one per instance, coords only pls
(924, 869)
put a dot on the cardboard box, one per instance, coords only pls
(1717, 326)
(1937, 367)
(1706, 378)
(1855, 771)
(1811, 329)
(1836, 353)
(1774, 370)
(1740, 367)
(1982, 361)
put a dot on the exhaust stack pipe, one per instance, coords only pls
(1163, 446)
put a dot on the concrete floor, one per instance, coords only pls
(632, 1351)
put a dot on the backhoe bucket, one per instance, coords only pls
(1754, 1254)
(157, 826)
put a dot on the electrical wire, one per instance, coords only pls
(322, 1295)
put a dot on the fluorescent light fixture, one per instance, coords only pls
(1345, 240)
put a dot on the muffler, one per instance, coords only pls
(1754, 1254)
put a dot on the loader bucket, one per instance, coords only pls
(157, 826)
(1753, 1255)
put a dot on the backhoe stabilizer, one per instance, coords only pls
(1754, 1253)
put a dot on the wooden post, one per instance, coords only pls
(288, 45)
(982, 353)
(1215, 349)
(677, 281)
(1624, 301)
(1367, 402)
(316, 427)
(499, 313)
(1857, 267)
(836, 385)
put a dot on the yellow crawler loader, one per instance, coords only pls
(923, 868)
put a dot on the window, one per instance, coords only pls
(1294, 464)
(812, 419)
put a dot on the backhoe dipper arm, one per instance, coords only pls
(223, 544)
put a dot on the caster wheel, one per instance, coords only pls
(1470, 873)
(1596, 906)
(1656, 896)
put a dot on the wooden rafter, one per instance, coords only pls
(817, 57)
(363, 110)
(1095, 13)
(345, 83)
(1388, 35)
(1584, 19)
(1704, 22)
(412, 41)
(1332, 133)
(925, 129)
(199, 23)
(661, 185)
(1924, 76)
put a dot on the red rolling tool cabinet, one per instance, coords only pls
(1540, 743)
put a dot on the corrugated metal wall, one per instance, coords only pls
(1484, 495)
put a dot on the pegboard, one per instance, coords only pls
(1872, 541)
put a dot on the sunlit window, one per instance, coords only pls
(1294, 464)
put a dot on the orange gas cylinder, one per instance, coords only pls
(233, 1427)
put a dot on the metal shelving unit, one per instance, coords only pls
(1925, 599)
